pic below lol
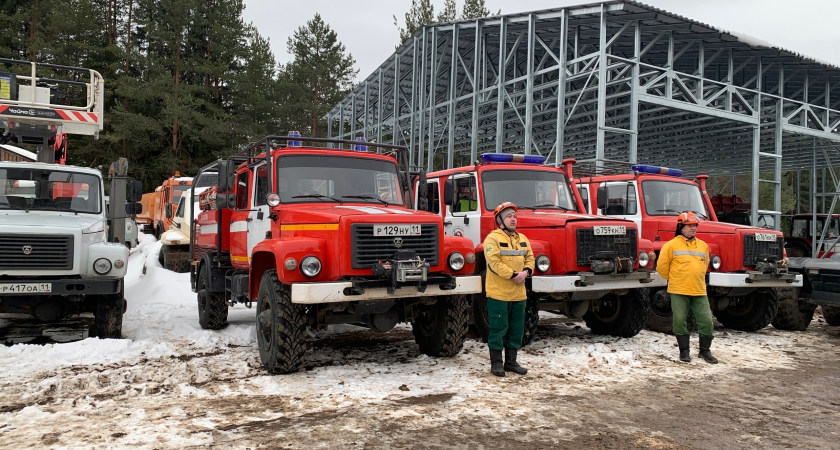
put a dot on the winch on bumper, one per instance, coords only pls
(407, 276)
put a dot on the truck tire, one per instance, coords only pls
(281, 326)
(158, 231)
(660, 318)
(751, 312)
(108, 316)
(212, 308)
(623, 316)
(482, 323)
(169, 263)
(441, 329)
(793, 315)
(831, 314)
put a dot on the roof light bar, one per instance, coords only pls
(511, 158)
(647, 168)
(294, 143)
(360, 148)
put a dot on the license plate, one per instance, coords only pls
(381, 229)
(765, 237)
(604, 230)
(23, 288)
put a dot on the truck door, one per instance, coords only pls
(622, 202)
(239, 217)
(463, 217)
(432, 196)
(258, 221)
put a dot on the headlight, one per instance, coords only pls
(715, 262)
(310, 266)
(643, 259)
(272, 199)
(543, 263)
(456, 261)
(102, 266)
(290, 264)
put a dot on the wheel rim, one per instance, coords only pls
(661, 304)
(609, 309)
(264, 323)
(202, 296)
(742, 306)
(426, 320)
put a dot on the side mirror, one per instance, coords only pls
(227, 175)
(133, 208)
(423, 183)
(448, 192)
(169, 210)
(135, 191)
(225, 201)
(602, 198)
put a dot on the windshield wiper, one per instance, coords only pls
(702, 216)
(367, 197)
(669, 210)
(319, 196)
(547, 205)
(55, 208)
(14, 207)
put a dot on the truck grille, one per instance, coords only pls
(369, 249)
(46, 252)
(588, 244)
(753, 250)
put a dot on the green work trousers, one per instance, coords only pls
(507, 324)
(680, 305)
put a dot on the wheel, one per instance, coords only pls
(793, 315)
(440, 329)
(482, 323)
(170, 263)
(623, 316)
(158, 231)
(212, 308)
(751, 312)
(162, 256)
(798, 252)
(831, 314)
(108, 315)
(281, 326)
(660, 318)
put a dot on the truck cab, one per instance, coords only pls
(747, 264)
(587, 266)
(55, 258)
(174, 252)
(314, 236)
(801, 243)
(162, 203)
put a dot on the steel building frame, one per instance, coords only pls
(617, 80)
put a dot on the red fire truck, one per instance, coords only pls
(586, 266)
(319, 236)
(747, 265)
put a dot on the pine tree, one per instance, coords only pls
(421, 13)
(449, 12)
(475, 9)
(322, 69)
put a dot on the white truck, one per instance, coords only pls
(55, 256)
(175, 242)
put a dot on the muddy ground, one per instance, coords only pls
(360, 389)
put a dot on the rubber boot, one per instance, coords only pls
(510, 362)
(496, 364)
(684, 341)
(705, 345)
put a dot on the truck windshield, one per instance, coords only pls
(538, 189)
(49, 190)
(177, 191)
(670, 198)
(306, 178)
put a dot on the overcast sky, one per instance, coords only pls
(366, 27)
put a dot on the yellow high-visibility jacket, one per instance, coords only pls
(505, 255)
(683, 263)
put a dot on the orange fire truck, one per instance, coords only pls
(586, 266)
(319, 236)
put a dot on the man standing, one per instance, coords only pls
(509, 261)
(683, 262)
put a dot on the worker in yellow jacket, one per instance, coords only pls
(509, 261)
(683, 261)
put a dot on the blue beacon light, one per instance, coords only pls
(358, 147)
(511, 158)
(294, 143)
(647, 168)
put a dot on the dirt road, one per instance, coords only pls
(363, 390)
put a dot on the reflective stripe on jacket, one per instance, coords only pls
(506, 255)
(683, 263)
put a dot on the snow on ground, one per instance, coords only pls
(167, 363)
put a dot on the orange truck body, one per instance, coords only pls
(154, 219)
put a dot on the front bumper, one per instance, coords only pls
(590, 282)
(68, 287)
(754, 280)
(315, 293)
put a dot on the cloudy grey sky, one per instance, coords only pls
(366, 27)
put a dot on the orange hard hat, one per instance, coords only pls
(502, 206)
(687, 218)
